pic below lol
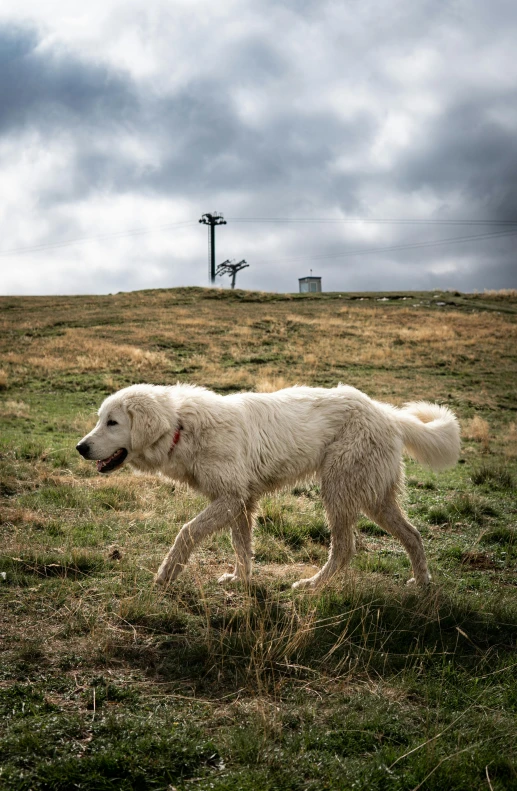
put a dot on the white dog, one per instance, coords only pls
(235, 448)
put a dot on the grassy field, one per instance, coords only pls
(107, 683)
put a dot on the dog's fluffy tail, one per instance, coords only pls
(431, 434)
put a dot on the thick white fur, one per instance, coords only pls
(235, 448)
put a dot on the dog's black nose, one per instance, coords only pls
(83, 449)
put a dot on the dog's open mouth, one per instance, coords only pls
(116, 459)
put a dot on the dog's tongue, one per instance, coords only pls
(119, 456)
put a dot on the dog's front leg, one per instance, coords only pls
(242, 528)
(216, 516)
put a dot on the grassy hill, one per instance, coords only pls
(106, 683)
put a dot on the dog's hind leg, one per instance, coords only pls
(242, 528)
(341, 517)
(391, 518)
(217, 515)
(342, 548)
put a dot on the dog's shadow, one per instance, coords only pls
(214, 643)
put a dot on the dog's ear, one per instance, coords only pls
(148, 421)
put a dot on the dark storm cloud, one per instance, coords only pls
(279, 128)
(56, 89)
(468, 150)
(205, 146)
(214, 150)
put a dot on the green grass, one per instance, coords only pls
(495, 477)
(108, 683)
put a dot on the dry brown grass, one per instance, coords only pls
(478, 429)
(229, 345)
(14, 409)
(265, 385)
(81, 350)
(510, 441)
(502, 292)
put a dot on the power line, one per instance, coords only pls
(473, 237)
(114, 235)
(370, 220)
(289, 220)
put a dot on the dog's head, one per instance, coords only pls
(130, 421)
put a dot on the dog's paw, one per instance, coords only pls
(228, 578)
(163, 577)
(423, 583)
(308, 583)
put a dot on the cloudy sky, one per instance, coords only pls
(346, 137)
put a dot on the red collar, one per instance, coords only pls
(175, 439)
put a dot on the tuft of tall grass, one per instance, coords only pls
(13, 408)
(497, 477)
(478, 430)
(511, 441)
(438, 515)
(30, 450)
(271, 384)
(462, 506)
(370, 528)
(472, 507)
(504, 536)
(501, 292)
(295, 535)
(78, 563)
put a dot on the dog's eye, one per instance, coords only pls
(112, 423)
